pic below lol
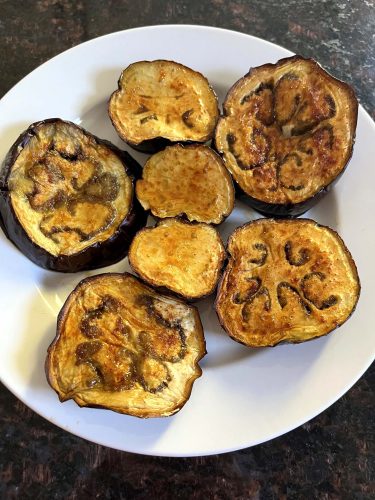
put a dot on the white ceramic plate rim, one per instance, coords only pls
(168, 449)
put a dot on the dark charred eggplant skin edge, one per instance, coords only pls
(354, 269)
(182, 215)
(151, 146)
(60, 320)
(95, 256)
(290, 210)
(168, 291)
(282, 210)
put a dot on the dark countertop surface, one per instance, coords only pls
(333, 455)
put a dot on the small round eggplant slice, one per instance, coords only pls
(287, 134)
(161, 102)
(67, 198)
(287, 280)
(189, 181)
(123, 347)
(183, 257)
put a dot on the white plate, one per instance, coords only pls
(245, 396)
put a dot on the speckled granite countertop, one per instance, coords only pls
(332, 456)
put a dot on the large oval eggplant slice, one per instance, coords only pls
(161, 102)
(286, 281)
(189, 181)
(185, 258)
(123, 347)
(287, 133)
(67, 198)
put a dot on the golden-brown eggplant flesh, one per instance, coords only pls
(121, 346)
(163, 99)
(71, 196)
(286, 281)
(287, 132)
(185, 258)
(189, 181)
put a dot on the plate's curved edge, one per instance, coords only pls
(167, 453)
(170, 454)
(367, 116)
(202, 27)
(139, 29)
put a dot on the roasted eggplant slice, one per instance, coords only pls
(189, 181)
(287, 134)
(185, 258)
(121, 346)
(161, 102)
(287, 281)
(67, 198)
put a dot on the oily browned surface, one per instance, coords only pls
(163, 99)
(287, 281)
(121, 346)
(67, 197)
(186, 180)
(331, 457)
(184, 257)
(68, 191)
(288, 130)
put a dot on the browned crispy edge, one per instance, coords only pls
(97, 255)
(158, 143)
(226, 173)
(227, 270)
(169, 290)
(293, 209)
(60, 323)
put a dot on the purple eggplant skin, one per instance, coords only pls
(151, 146)
(156, 144)
(279, 210)
(282, 210)
(95, 256)
(290, 210)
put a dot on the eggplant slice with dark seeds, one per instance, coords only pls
(287, 134)
(182, 257)
(67, 198)
(143, 359)
(162, 102)
(305, 285)
(189, 181)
